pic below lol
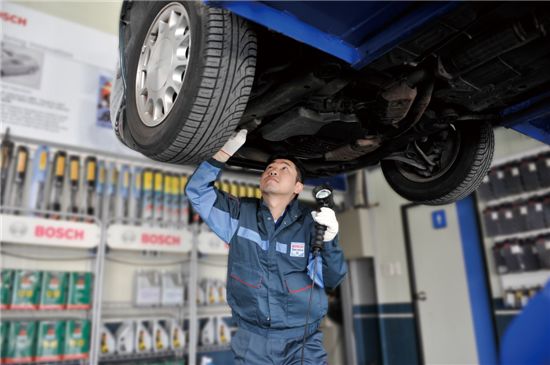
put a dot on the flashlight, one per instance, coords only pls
(323, 197)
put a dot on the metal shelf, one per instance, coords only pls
(520, 235)
(114, 311)
(139, 356)
(64, 362)
(508, 312)
(11, 314)
(213, 348)
(512, 198)
(524, 279)
(214, 309)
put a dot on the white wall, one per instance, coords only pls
(387, 236)
(101, 15)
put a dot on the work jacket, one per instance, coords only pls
(270, 267)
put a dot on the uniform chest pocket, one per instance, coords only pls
(243, 289)
(298, 287)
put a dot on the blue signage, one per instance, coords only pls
(439, 219)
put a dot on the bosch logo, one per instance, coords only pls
(59, 233)
(160, 239)
(128, 237)
(18, 229)
(12, 18)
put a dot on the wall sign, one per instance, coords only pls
(439, 219)
(55, 80)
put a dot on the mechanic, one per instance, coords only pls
(270, 268)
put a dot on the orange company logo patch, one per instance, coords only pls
(59, 233)
(160, 239)
(13, 18)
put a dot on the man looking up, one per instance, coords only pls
(270, 268)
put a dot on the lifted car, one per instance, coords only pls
(416, 87)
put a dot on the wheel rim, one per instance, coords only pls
(162, 64)
(447, 159)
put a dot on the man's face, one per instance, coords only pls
(281, 177)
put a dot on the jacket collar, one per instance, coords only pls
(293, 209)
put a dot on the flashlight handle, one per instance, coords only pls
(318, 241)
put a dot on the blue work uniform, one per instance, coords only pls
(270, 271)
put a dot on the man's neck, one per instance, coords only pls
(277, 204)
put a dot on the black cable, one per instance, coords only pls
(315, 255)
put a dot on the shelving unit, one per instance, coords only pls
(113, 249)
(507, 282)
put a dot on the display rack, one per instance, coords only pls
(113, 248)
(512, 201)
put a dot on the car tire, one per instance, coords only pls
(215, 85)
(471, 165)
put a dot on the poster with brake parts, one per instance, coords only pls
(50, 84)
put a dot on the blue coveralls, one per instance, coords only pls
(269, 273)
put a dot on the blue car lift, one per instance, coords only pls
(360, 32)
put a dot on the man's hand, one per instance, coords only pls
(326, 217)
(231, 146)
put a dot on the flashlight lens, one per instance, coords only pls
(323, 194)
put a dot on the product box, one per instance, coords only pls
(77, 340)
(20, 342)
(7, 285)
(49, 343)
(80, 290)
(4, 328)
(26, 289)
(54, 290)
(147, 288)
(172, 289)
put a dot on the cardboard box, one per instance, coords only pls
(147, 288)
(172, 289)
(7, 285)
(80, 290)
(54, 290)
(4, 328)
(20, 342)
(77, 340)
(49, 343)
(26, 289)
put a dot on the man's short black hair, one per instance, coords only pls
(299, 166)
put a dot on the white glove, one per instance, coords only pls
(326, 217)
(234, 142)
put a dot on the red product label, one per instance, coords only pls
(78, 306)
(12, 18)
(160, 239)
(60, 233)
(74, 356)
(15, 360)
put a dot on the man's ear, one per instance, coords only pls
(298, 187)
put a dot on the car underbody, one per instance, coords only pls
(414, 87)
(464, 68)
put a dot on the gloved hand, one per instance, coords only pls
(231, 146)
(327, 218)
